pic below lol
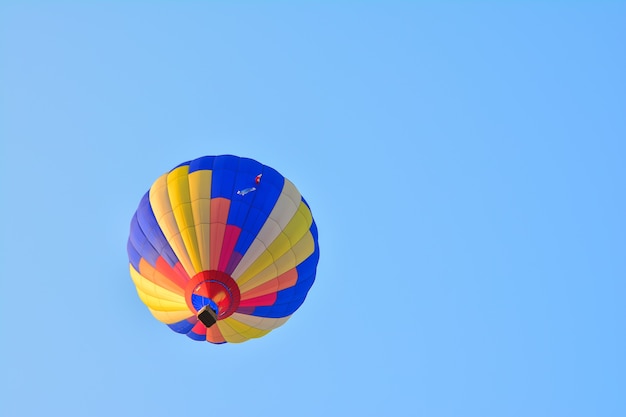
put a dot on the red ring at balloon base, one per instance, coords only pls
(217, 286)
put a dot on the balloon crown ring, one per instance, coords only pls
(215, 290)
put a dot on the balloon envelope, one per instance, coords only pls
(223, 249)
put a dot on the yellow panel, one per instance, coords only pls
(229, 334)
(180, 200)
(302, 220)
(286, 262)
(200, 194)
(279, 246)
(159, 304)
(182, 214)
(297, 227)
(160, 202)
(150, 288)
(170, 317)
(203, 234)
(284, 209)
(262, 323)
(301, 250)
(200, 188)
(270, 272)
(246, 331)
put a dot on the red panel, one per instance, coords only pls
(199, 329)
(245, 310)
(217, 237)
(181, 272)
(286, 280)
(228, 245)
(219, 214)
(264, 300)
(177, 274)
(147, 271)
(214, 335)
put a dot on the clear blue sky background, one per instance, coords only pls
(465, 163)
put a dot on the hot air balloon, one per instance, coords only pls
(223, 249)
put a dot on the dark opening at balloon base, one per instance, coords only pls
(207, 316)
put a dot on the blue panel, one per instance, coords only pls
(133, 255)
(268, 192)
(287, 300)
(247, 171)
(309, 265)
(141, 244)
(153, 232)
(239, 208)
(199, 301)
(197, 337)
(313, 230)
(224, 171)
(316, 253)
(245, 240)
(183, 326)
(280, 310)
(204, 163)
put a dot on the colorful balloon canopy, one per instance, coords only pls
(223, 249)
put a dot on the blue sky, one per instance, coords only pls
(464, 162)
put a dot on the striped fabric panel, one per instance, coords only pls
(211, 214)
